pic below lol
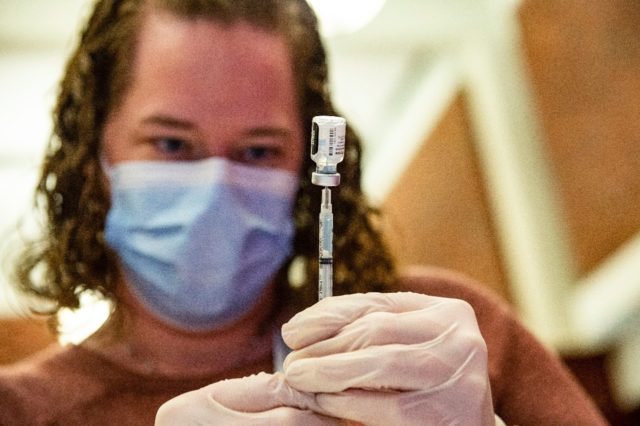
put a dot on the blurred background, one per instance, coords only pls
(502, 140)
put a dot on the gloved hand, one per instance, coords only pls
(263, 399)
(391, 359)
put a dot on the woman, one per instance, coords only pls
(177, 185)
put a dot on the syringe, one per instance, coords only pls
(327, 150)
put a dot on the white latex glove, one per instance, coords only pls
(263, 399)
(391, 359)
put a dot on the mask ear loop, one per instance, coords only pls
(107, 168)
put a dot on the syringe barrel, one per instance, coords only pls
(325, 284)
(327, 142)
(326, 226)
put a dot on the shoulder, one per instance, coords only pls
(46, 384)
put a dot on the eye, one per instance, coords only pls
(173, 149)
(170, 145)
(259, 154)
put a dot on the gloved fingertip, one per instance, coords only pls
(285, 364)
(293, 372)
(289, 335)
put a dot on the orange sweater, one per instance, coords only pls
(74, 386)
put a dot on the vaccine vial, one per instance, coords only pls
(327, 148)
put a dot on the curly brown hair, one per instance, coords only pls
(73, 258)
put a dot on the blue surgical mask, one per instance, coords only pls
(200, 241)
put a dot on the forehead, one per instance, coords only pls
(202, 63)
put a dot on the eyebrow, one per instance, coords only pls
(269, 131)
(166, 120)
(259, 131)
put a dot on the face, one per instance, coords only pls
(201, 89)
